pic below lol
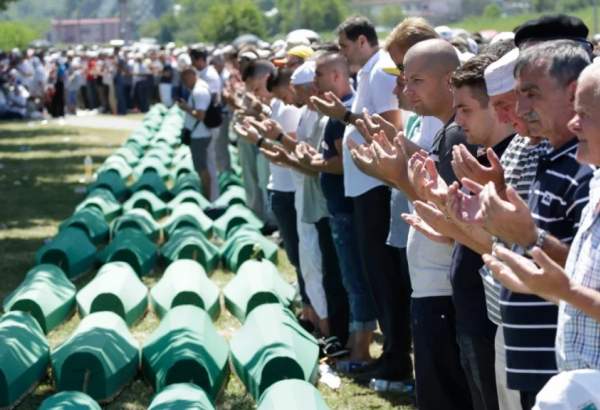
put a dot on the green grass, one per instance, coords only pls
(40, 169)
(508, 23)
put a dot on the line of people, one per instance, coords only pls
(448, 198)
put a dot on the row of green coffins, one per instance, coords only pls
(294, 394)
(101, 357)
(50, 297)
(135, 235)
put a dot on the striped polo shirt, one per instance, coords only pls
(519, 162)
(557, 197)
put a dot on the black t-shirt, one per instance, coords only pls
(467, 288)
(333, 184)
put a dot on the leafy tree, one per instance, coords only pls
(226, 20)
(390, 16)
(318, 15)
(4, 4)
(14, 34)
(492, 11)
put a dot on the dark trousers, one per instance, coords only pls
(440, 379)
(528, 399)
(282, 205)
(338, 311)
(478, 357)
(386, 271)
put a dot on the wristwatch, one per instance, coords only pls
(539, 241)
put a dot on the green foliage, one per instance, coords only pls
(14, 34)
(508, 23)
(226, 20)
(317, 15)
(492, 11)
(4, 4)
(390, 16)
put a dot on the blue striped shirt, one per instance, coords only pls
(557, 198)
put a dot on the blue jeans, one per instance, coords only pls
(362, 308)
(282, 205)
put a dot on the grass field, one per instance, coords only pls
(508, 23)
(40, 169)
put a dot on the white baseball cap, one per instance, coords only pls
(573, 390)
(499, 76)
(305, 74)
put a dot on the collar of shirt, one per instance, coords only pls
(347, 97)
(366, 69)
(555, 154)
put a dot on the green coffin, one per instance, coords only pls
(271, 346)
(134, 146)
(98, 359)
(183, 165)
(188, 215)
(151, 181)
(116, 288)
(24, 355)
(69, 400)
(139, 219)
(246, 243)
(292, 395)
(130, 154)
(189, 196)
(181, 396)
(185, 283)
(256, 283)
(71, 250)
(112, 181)
(133, 247)
(151, 164)
(228, 179)
(103, 200)
(235, 215)
(92, 221)
(233, 195)
(164, 156)
(190, 243)
(186, 348)
(46, 294)
(189, 181)
(146, 200)
(119, 164)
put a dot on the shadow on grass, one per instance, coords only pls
(8, 133)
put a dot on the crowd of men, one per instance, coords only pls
(442, 191)
(437, 187)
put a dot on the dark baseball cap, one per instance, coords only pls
(551, 27)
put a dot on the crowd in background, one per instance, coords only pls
(438, 186)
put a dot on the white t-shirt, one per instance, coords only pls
(199, 99)
(210, 75)
(428, 261)
(375, 93)
(287, 116)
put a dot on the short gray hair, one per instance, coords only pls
(564, 59)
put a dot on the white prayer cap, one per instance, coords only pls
(570, 390)
(444, 32)
(499, 76)
(305, 74)
(503, 35)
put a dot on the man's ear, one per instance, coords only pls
(571, 89)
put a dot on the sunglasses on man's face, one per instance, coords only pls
(400, 67)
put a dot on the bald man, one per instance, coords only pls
(576, 289)
(441, 379)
